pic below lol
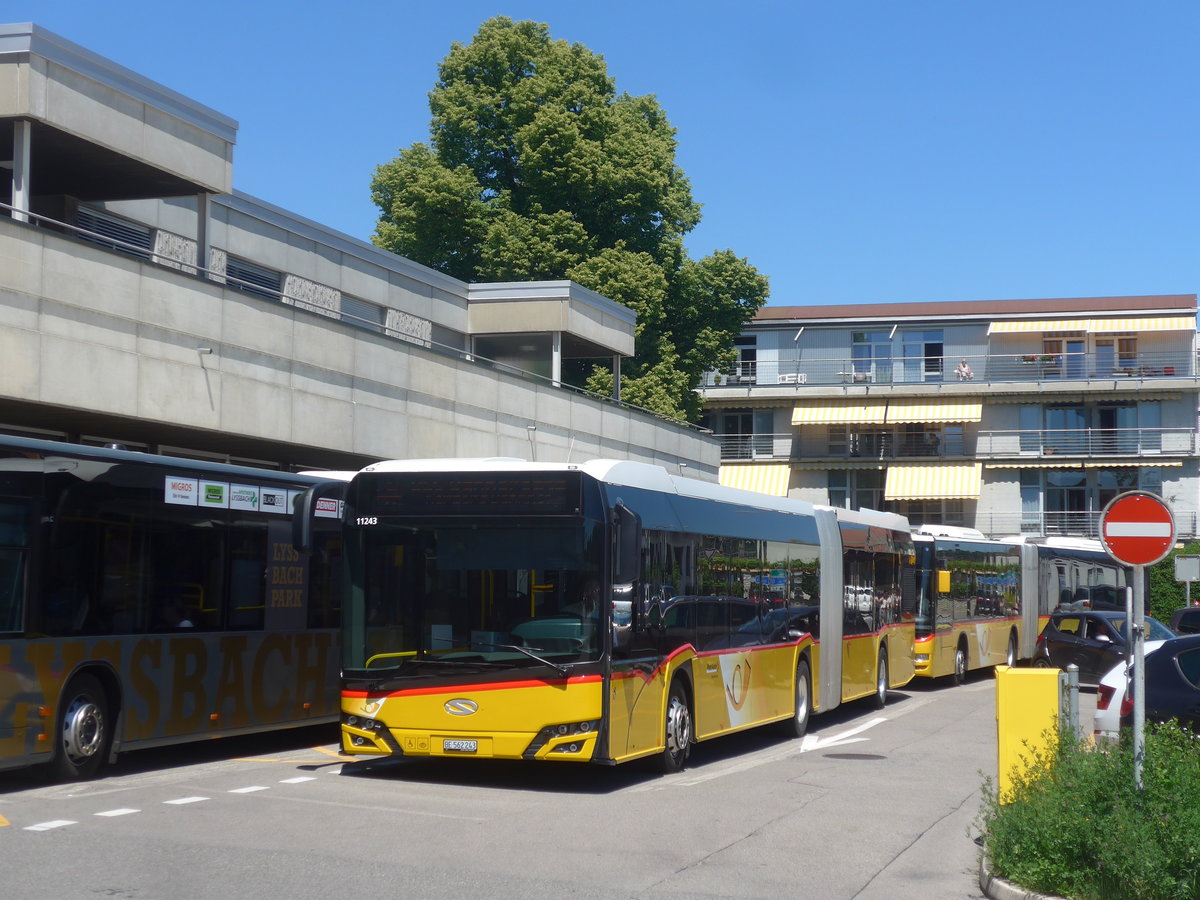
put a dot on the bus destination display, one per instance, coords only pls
(459, 494)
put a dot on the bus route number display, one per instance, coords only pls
(471, 494)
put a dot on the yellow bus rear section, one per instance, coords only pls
(986, 642)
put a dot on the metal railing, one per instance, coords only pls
(1005, 368)
(1063, 524)
(191, 268)
(1088, 442)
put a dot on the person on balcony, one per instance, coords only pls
(963, 371)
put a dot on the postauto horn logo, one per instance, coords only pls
(461, 707)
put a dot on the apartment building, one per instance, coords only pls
(1013, 416)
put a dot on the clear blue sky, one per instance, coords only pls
(855, 151)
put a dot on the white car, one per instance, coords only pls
(1113, 700)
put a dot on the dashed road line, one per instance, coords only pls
(249, 790)
(113, 813)
(299, 780)
(184, 800)
(49, 826)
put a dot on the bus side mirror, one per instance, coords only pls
(627, 564)
(324, 499)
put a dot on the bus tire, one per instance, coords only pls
(677, 730)
(797, 725)
(83, 732)
(961, 663)
(1010, 658)
(879, 698)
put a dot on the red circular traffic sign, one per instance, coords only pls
(1137, 528)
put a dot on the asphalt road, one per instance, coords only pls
(871, 804)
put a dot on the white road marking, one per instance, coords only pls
(299, 780)
(46, 826)
(118, 812)
(249, 790)
(182, 800)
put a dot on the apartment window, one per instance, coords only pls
(857, 489)
(933, 512)
(252, 278)
(923, 355)
(871, 355)
(747, 364)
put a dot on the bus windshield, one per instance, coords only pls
(472, 595)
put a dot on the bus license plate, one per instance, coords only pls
(459, 746)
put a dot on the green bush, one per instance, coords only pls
(1164, 593)
(1077, 827)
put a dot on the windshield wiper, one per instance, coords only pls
(562, 670)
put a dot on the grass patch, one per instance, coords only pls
(1076, 826)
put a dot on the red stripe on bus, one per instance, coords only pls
(459, 688)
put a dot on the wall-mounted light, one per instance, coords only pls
(204, 351)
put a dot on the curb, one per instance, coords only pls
(996, 888)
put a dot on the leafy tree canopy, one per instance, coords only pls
(537, 169)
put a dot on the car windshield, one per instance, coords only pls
(1155, 630)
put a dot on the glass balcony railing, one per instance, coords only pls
(1088, 442)
(1007, 368)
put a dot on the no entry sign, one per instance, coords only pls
(1137, 528)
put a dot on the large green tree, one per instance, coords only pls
(537, 169)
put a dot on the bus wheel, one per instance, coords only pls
(881, 681)
(677, 732)
(797, 725)
(1010, 658)
(83, 730)
(960, 664)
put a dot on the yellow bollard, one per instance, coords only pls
(1027, 721)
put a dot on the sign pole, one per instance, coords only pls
(1138, 529)
(1138, 630)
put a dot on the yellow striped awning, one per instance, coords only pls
(932, 481)
(837, 465)
(1096, 326)
(1028, 326)
(840, 412)
(764, 478)
(1126, 463)
(1038, 464)
(1158, 323)
(915, 409)
(1085, 464)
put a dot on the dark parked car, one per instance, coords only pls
(1186, 620)
(1094, 640)
(1173, 683)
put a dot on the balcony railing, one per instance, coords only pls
(862, 446)
(1088, 442)
(1063, 524)
(1005, 368)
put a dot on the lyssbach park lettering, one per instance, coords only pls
(175, 686)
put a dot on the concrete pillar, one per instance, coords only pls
(203, 231)
(22, 149)
(556, 358)
(617, 378)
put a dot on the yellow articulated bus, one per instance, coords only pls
(983, 602)
(605, 611)
(147, 600)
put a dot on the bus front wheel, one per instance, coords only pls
(677, 730)
(797, 725)
(960, 664)
(83, 730)
(881, 681)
